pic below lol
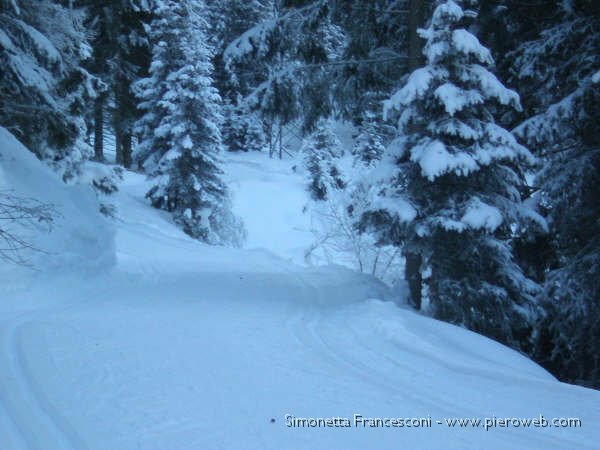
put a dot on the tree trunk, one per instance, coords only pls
(99, 128)
(271, 143)
(123, 122)
(118, 141)
(126, 144)
(280, 141)
(412, 274)
(416, 13)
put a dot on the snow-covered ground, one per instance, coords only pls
(184, 346)
(271, 198)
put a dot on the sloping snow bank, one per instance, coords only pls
(80, 239)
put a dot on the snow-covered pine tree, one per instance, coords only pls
(374, 134)
(284, 52)
(321, 149)
(230, 19)
(560, 68)
(377, 34)
(43, 86)
(242, 129)
(449, 185)
(180, 140)
(569, 332)
(368, 145)
(120, 56)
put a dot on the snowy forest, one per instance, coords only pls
(444, 152)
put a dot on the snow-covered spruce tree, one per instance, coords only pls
(560, 68)
(286, 51)
(180, 138)
(368, 146)
(569, 332)
(120, 57)
(42, 84)
(373, 134)
(378, 35)
(242, 129)
(449, 185)
(230, 19)
(320, 150)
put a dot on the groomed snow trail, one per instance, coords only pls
(186, 346)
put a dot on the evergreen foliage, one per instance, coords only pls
(180, 133)
(242, 130)
(120, 57)
(42, 83)
(321, 150)
(451, 194)
(560, 67)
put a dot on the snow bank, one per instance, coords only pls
(80, 239)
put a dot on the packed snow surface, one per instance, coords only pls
(185, 346)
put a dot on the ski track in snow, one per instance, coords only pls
(306, 327)
(36, 421)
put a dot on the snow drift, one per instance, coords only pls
(79, 239)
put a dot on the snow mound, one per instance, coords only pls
(79, 239)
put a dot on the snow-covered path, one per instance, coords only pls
(185, 346)
(271, 197)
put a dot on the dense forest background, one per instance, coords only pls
(476, 145)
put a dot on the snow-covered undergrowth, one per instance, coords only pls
(185, 346)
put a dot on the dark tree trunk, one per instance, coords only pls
(412, 273)
(123, 119)
(271, 140)
(99, 129)
(126, 144)
(280, 141)
(416, 17)
(118, 141)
